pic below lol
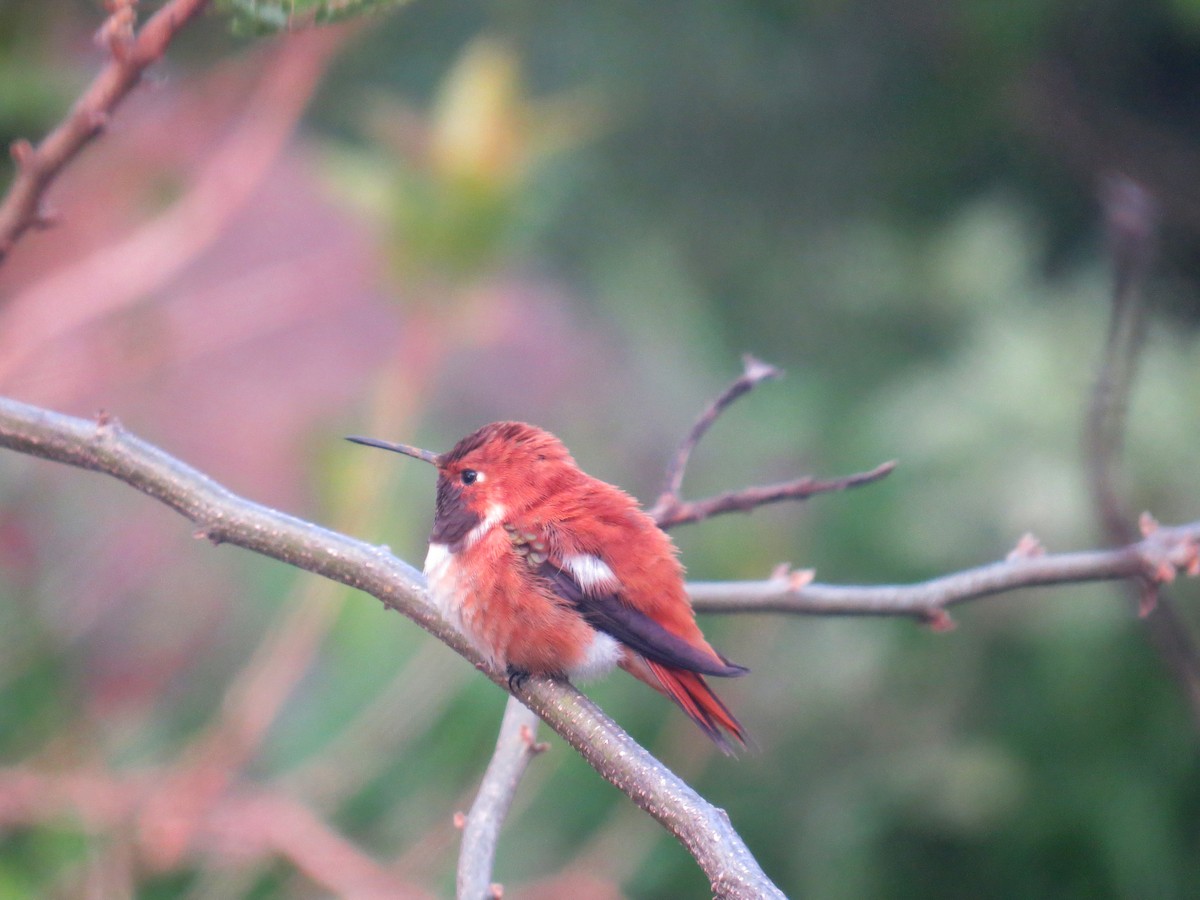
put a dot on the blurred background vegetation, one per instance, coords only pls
(581, 214)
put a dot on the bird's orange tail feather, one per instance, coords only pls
(693, 695)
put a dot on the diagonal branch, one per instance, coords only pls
(223, 517)
(130, 55)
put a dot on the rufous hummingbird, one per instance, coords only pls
(549, 571)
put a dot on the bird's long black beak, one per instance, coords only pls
(416, 452)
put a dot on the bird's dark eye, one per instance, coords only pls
(468, 476)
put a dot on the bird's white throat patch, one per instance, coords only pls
(495, 515)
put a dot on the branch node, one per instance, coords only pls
(97, 120)
(1148, 598)
(116, 34)
(460, 820)
(22, 153)
(1147, 524)
(1164, 572)
(938, 620)
(46, 217)
(755, 370)
(208, 533)
(799, 579)
(532, 745)
(1027, 547)
(1191, 558)
(106, 424)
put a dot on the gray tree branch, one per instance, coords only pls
(515, 747)
(1158, 557)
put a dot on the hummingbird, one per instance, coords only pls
(549, 571)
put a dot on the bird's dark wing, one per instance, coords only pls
(605, 611)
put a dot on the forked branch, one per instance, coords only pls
(754, 372)
(670, 509)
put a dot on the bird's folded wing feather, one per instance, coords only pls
(600, 603)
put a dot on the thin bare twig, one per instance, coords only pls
(746, 499)
(670, 509)
(754, 372)
(1159, 556)
(223, 517)
(515, 748)
(130, 55)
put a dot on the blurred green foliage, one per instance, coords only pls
(895, 203)
(263, 17)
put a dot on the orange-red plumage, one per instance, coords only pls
(549, 571)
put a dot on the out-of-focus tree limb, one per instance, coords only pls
(130, 54)
(137, 265)
(1131, 217)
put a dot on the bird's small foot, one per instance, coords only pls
(516, 678)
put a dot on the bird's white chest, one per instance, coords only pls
(442, 576)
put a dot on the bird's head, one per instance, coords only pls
(501, 469)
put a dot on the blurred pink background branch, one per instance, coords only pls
(37, 166)
(244, 825)
(139, 265)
